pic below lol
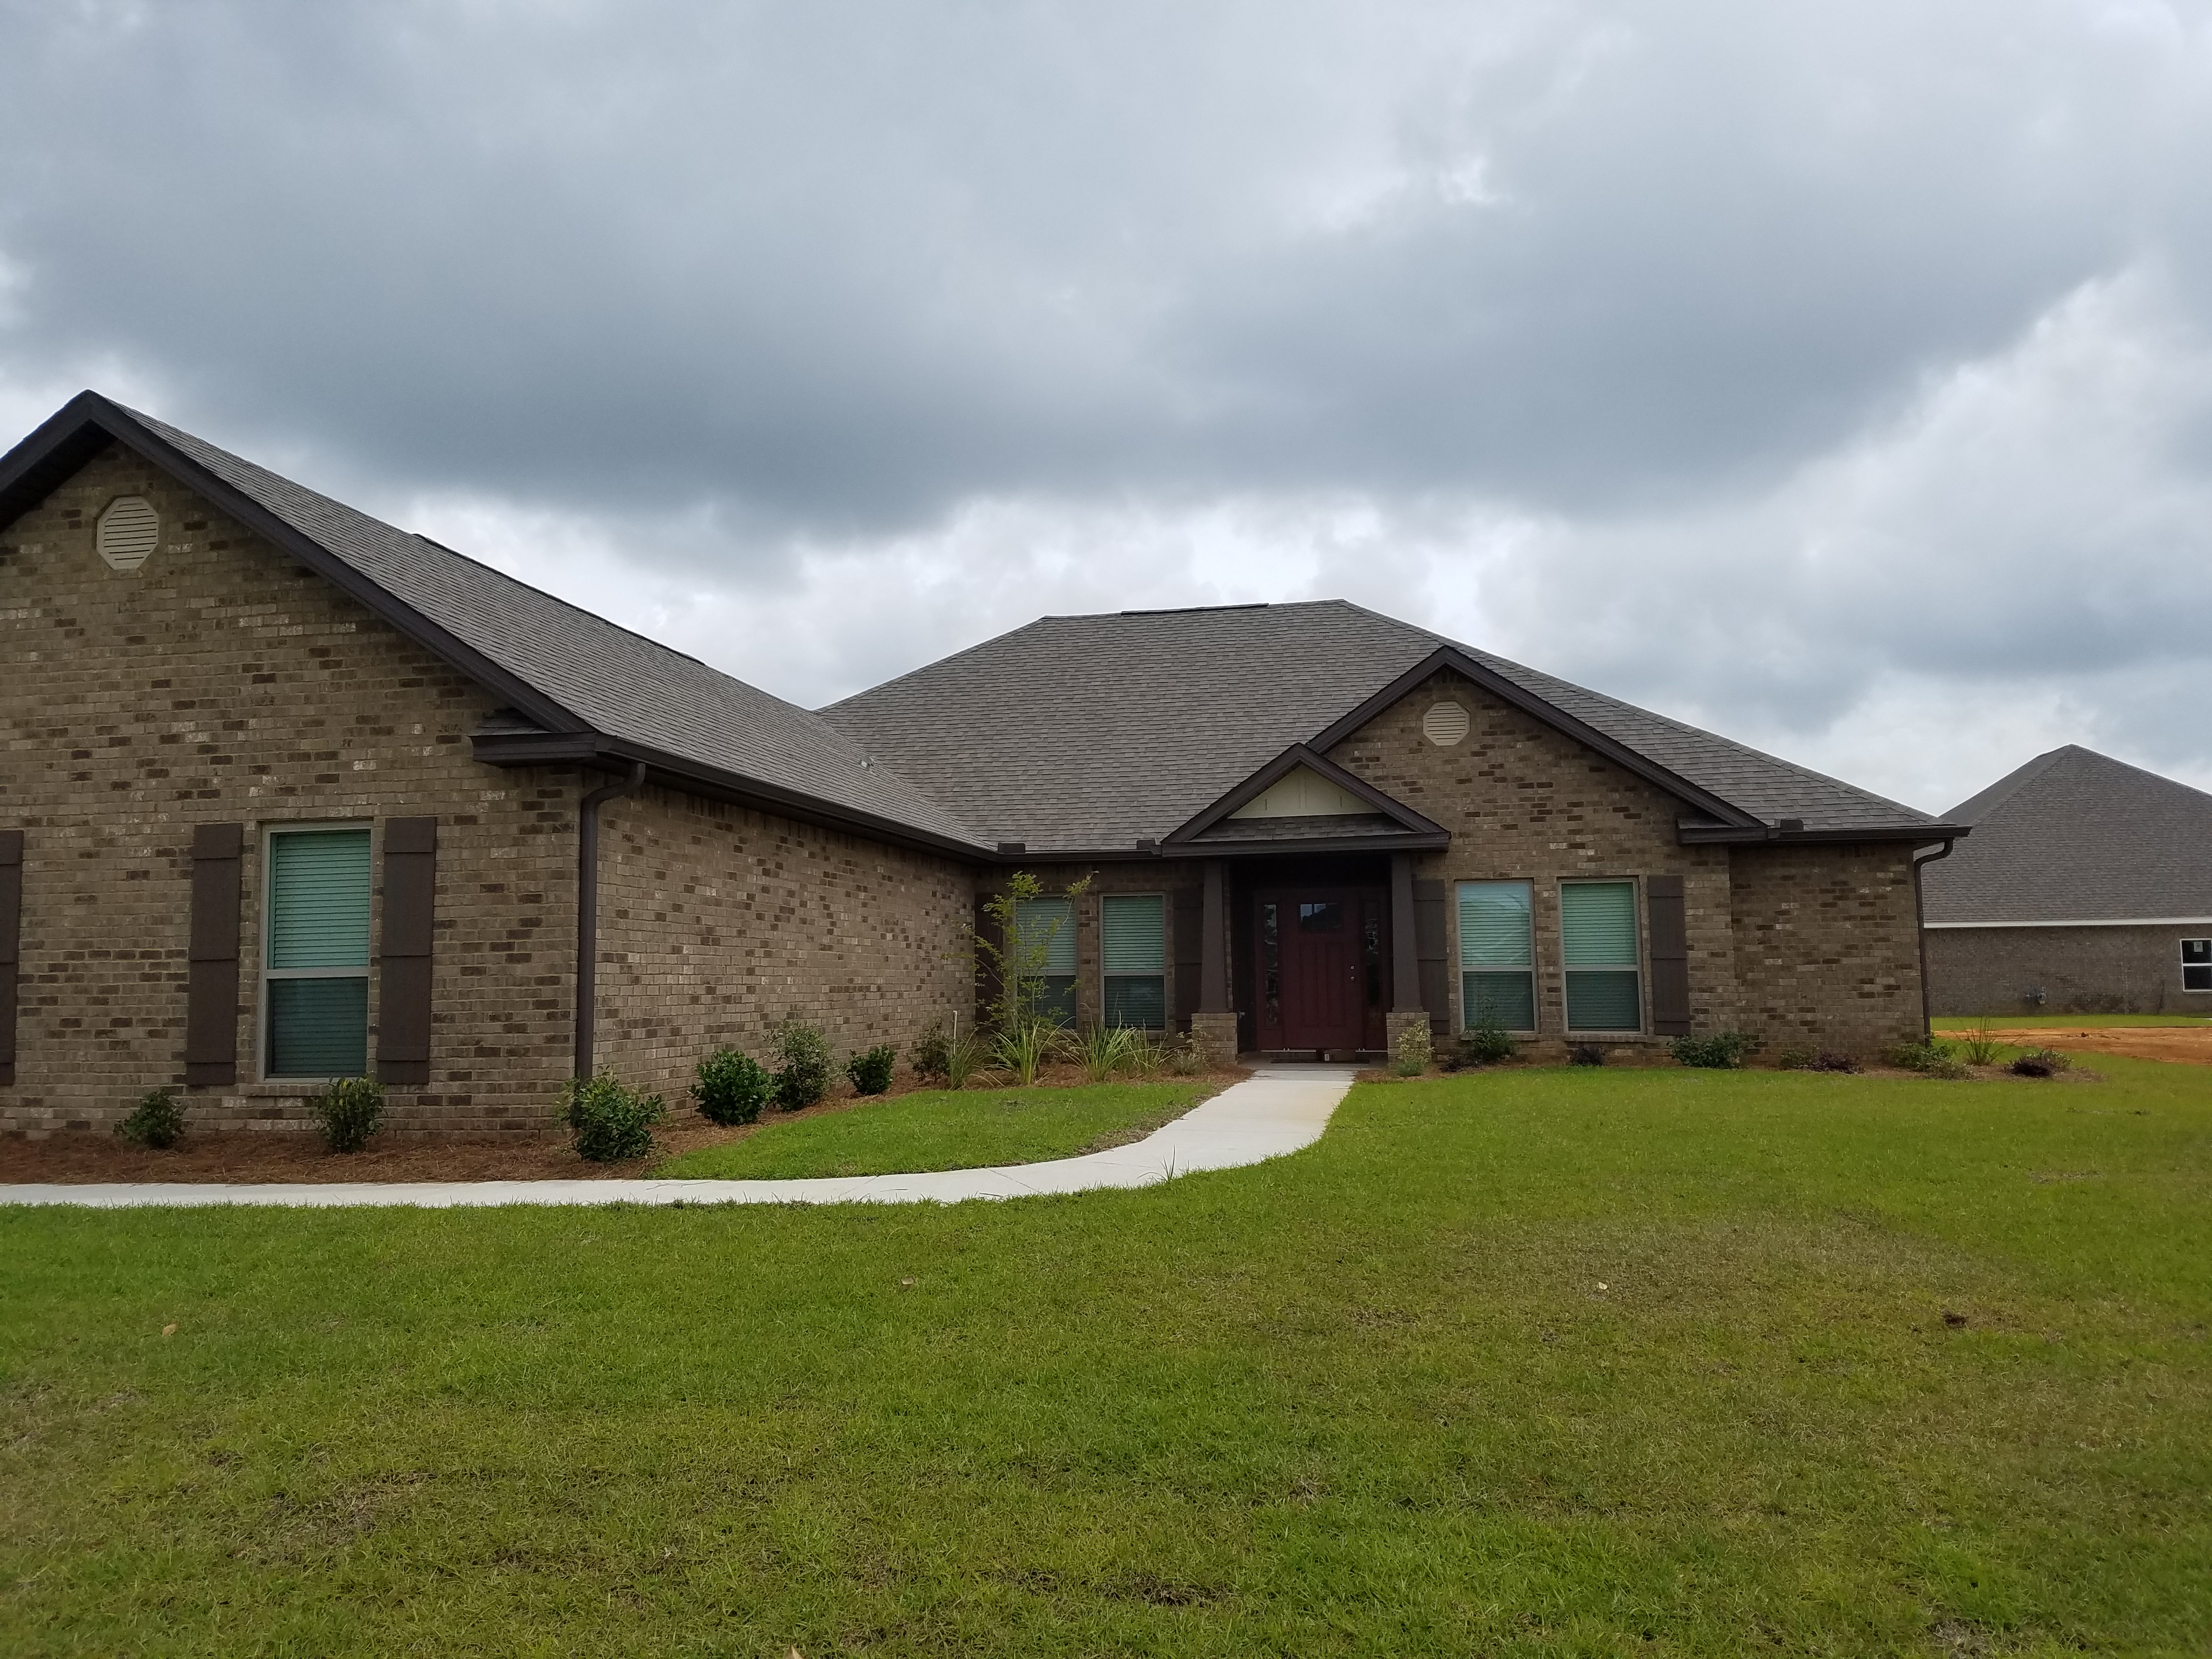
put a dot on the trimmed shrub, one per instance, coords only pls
(157, 1120)
(1723, 1051)
(731, 1089)
(348, 1112)
(870, 1072)
(1795, 1060)
(1928, 1057)
(804, 1077)
(611, 1121)
(1480, 1045)
(1586, 1053)
(2039, 1062)
(1829, 1060)
(933, 1057)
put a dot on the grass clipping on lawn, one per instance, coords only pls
(944, 1129)
(1530, 1361)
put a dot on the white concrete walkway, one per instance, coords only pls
(1279, 1109)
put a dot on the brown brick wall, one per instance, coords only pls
(1826, 940)
(222, 683)
(1525, 802)
(716, 922)
(2120, 970)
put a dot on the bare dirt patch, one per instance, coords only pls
(82, 1156)
(2191, 1045)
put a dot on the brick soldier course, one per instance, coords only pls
(246, 655)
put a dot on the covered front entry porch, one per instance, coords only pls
(1311, 954)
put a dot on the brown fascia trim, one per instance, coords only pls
(1283, 765)
(673, 771)
(1766, 835)
(1529, 703)
(1421, 841)
(89, 423)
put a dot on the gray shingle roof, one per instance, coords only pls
(1091, 733)
(2075, 835)
(613, 681)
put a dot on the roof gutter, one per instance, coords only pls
(1920, 927)
(1694, 833)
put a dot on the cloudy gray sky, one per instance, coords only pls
(1839, 377)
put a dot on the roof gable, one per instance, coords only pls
(587, 688)
(1305, 798)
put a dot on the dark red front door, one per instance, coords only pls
(1320, 954)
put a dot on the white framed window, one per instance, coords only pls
(1133, 957)
(1044, 931)
(314, 951)
(1497, 954)
(2197, 964)
(1598, 948)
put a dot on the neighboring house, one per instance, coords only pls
(290, 794)
(2087, 888)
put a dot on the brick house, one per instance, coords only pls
(2086, 889)
(290, 794)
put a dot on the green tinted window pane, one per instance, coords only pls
(1132, 933)
(1507, 999)
(318, 900)
(1597, 923)
(1493, 924)
(1599, 1001)
(318, 1027)
(1050, 924)
(1139, 1000)
(1056, 1000)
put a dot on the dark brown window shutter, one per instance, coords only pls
(11, 945)
(1186, 920)
(211, 998)
(1429, 952)
(411, 902)
(1670, 956)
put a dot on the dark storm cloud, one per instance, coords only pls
(1777, 363)
(848, 264)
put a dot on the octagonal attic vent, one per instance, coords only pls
(128, 529)
(1444, 724)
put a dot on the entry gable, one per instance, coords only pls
(1304, 797)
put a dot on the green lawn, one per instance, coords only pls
(2075, 1022)
(942, 1129)
(1561, 1362)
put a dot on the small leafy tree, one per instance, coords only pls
(348, 1112)
(1018, 957)
(731, 1089)
(157, 1120)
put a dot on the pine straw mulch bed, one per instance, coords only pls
(296, 1153)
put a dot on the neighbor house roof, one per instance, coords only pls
(2076, 836)
(1083, 733)
(583, 687)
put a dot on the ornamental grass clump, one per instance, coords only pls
(804, 1077)
(732, 1088)
(1981, 1044)
(1723, 1051)
(1103, 1052)
(1021, 1051)
(348, 1112)
(870, 1073)
(157, 1120)
(611, 1121)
